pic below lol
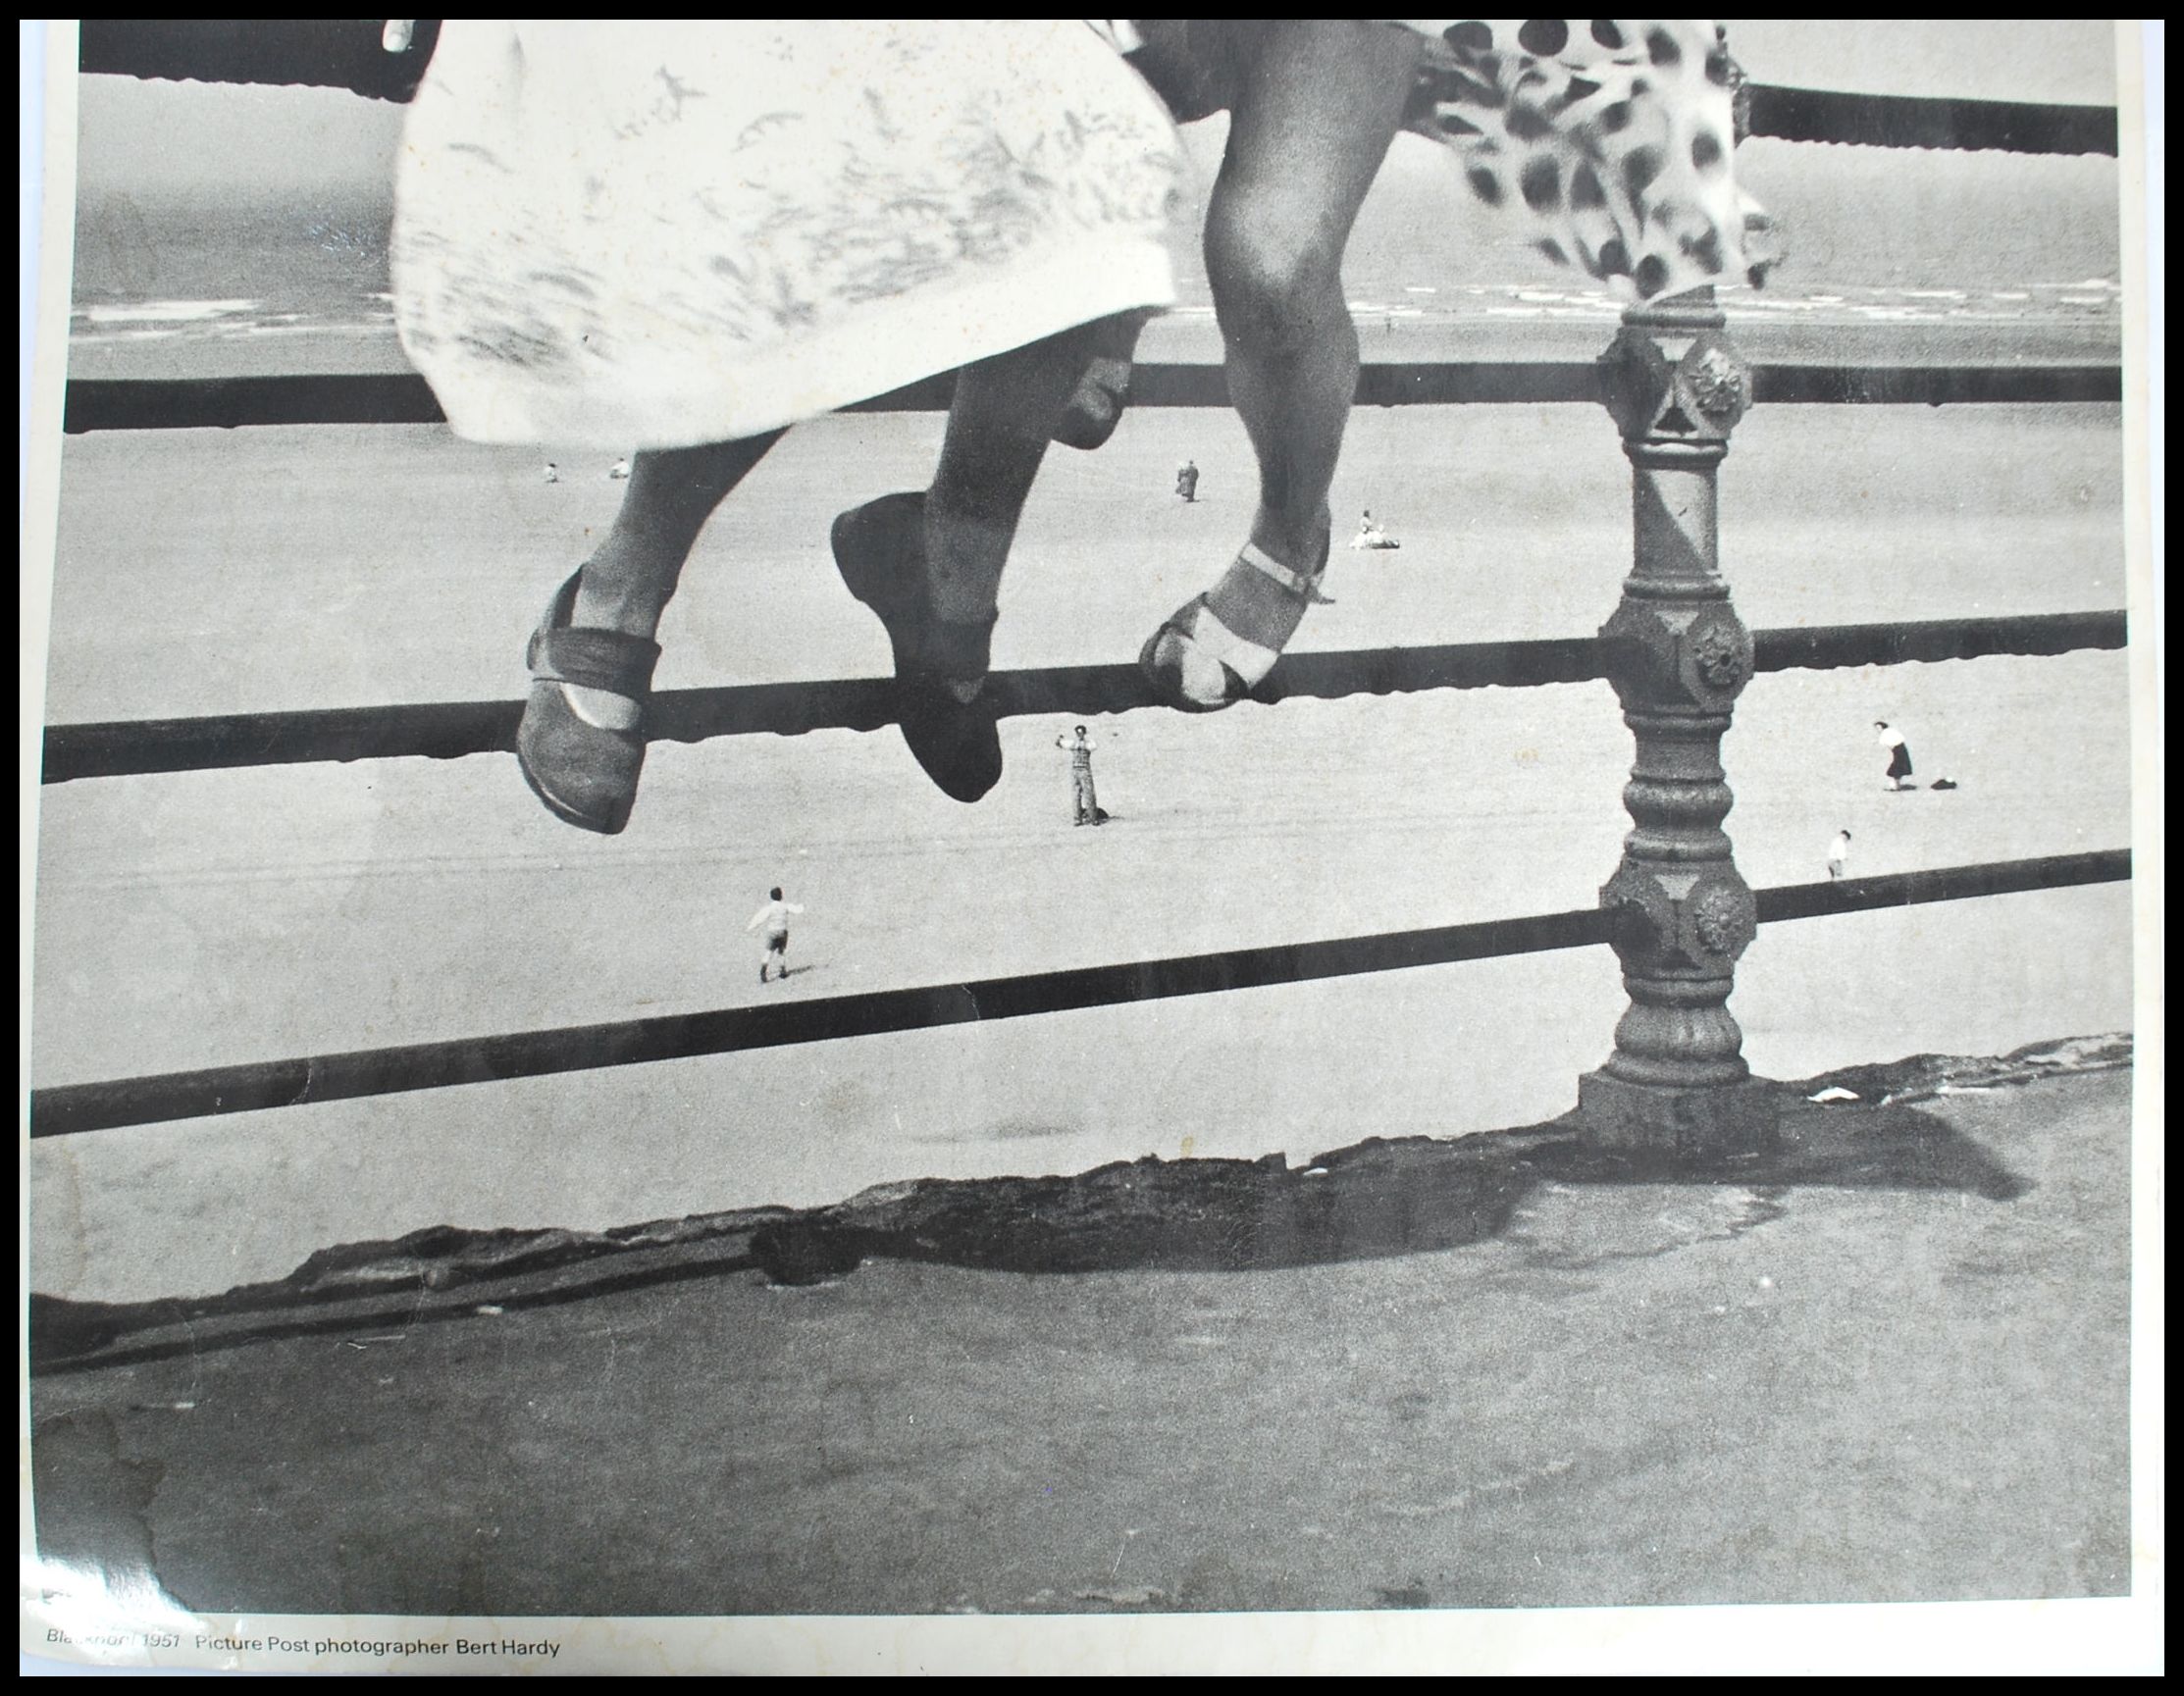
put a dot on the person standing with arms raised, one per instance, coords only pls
(1080, 776)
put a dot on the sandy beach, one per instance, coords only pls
(346, 567)
(252, 914)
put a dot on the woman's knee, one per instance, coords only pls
(1270, 291)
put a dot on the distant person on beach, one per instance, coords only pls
(1610, 142)
(618, 471)
(552, 473)
(749, 225)
(1080, 776)
(1899, 756)
(1371, 535)
(774, 915)
(1186, 482)
(1839, 853)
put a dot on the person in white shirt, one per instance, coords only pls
(1080, 774)
(1839, 853)
(1899, 756)
(774, 915)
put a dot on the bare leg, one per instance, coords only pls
(998, 430)
(929, 565)
(627, 583)
(1323, 100)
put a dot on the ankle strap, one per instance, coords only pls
(603, 659)
(1306, 588)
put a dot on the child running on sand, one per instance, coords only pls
(1610, 139)
(774, 915)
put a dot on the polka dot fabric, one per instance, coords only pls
(1612, 138)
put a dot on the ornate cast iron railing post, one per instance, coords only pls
(1678, 655)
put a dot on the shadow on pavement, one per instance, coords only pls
(1370, 1200)
(1374, 1200)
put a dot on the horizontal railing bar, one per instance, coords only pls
(237, 402)
(1934, 386)
(453, 730)
(1787, 901)
(345, 53)
(1925, 122)
(76, 1109)
(284, 52)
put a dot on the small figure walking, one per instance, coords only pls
(1839, 854)
(1186, 481)
(774, 915)
(1899, 756)
(1080, 776)
(618, 471)
(552, 472)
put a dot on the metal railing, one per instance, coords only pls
(1677, 912)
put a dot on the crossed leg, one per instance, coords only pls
(999, 425)
(929, 564)
(933, 574)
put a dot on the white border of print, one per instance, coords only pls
(2105, 1636)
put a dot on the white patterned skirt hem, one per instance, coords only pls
(734, 391)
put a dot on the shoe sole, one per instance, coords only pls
(612, 824)
(1170, 691)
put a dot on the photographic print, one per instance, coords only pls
(1161, 844)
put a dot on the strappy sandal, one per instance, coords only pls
(1197, 664)
(584, 773)
(879, 548)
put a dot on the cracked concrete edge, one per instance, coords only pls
(445, 1271)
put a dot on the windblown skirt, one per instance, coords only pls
(1609, 141)
(622, 236)
(1612, 137)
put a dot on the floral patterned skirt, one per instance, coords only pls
(659, 235)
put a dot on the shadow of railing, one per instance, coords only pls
(1376, 1199)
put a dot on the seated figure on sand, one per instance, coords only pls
(1371, 535)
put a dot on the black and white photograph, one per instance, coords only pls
(921, 845)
